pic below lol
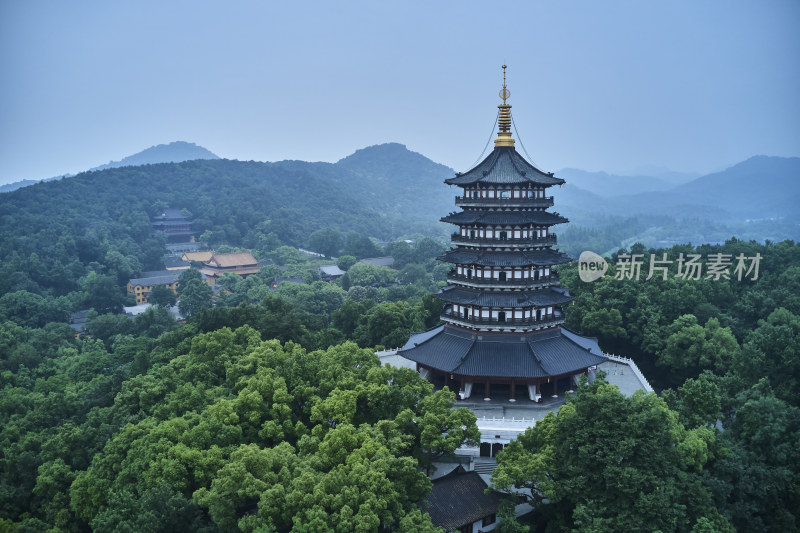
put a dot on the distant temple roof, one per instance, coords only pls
(201, 256)
(330, 271)
(458, 498)
(504, 165)
(550, 353)
(169, 213)
(165, 277)
(387, 261)
(287, 279)
(238, 259)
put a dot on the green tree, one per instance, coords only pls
(366, 274)
(327, 241)
(345, 262)
(162, 296)
(443, 429)
(185, 277)
(195, 296)
(690, 348)
(611, 463)
(360, 247)
(102, 293)
(756, 478)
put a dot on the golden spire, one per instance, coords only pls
(504, 120)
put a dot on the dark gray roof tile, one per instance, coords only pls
(457, 351)
(493, 218)
(504, 165)
(490, 258)
(469, 296)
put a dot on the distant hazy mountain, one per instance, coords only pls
(391, 177)
(174, 152)
(758, 188)
(605, 184)
(13, 186)
(761, 186)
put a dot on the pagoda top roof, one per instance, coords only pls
(490, 258)
(504, 165)
(534, 355)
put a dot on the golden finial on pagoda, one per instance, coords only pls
(504, 120)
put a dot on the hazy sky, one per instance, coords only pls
(612, 85)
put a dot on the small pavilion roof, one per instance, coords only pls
(504, 165)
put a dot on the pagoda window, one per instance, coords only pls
(538, 314)
(503, 235)
(505, 194)
(472, 234)
(546, 271)
(502, 276)
(501, 316)
(549, 310)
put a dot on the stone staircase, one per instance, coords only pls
(484, 466)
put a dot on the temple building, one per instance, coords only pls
(240, 263)
(175, 226)
(503, 330)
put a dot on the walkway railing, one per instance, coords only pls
(509, 422)
(546, 201)
(631, 363)
(508, 282)
(556, 318)
(457, 238)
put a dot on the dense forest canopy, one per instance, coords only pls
(267, 409)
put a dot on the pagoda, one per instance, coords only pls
(503, 315)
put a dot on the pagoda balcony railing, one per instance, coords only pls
(457, 238)
(516, 323)
(466, 201)
(510, 283)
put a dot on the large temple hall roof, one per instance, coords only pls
(457, 351)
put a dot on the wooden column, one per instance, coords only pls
(513, 390)
(487, 391)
